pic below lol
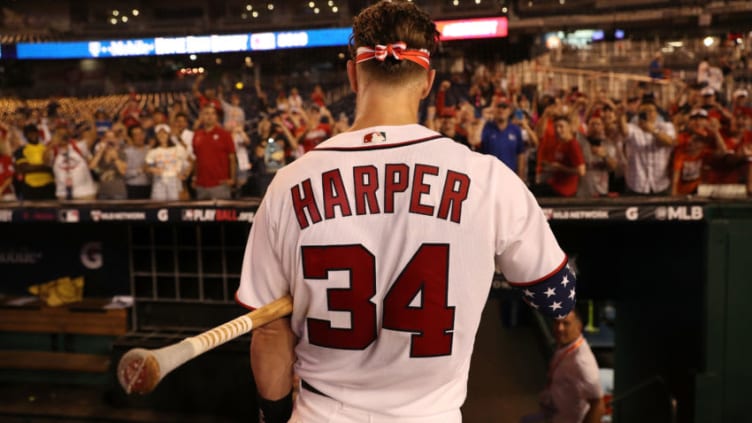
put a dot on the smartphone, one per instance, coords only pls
(519, 114)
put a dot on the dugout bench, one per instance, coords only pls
(70, 343)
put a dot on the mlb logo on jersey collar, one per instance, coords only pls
(374, 137)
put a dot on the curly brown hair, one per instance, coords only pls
(390, 22)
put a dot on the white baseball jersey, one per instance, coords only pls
(170, 160)
(71, 168)
(386, 239)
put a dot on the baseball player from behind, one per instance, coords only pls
(387, 237)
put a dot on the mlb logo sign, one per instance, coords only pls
(68, 216)
(374, 137)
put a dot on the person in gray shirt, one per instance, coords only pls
(110, 164)
(137, 181)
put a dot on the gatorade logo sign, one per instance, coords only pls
(91, 255)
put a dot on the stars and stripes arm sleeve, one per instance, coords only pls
(553, 295)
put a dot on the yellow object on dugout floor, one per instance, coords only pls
(60, 291)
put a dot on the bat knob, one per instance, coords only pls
(138, 371)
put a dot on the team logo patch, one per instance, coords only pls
(374, 137)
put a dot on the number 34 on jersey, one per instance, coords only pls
(425, 275)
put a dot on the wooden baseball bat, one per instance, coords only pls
(140, 370)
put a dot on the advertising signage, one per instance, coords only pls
(85, 49)
(262, 41)
(465, 29)
(184, 45)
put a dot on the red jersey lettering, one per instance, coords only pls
(366, 180)
(420, 188)
(456, 188)
(396, 181)
(334, 194)
(306, 202)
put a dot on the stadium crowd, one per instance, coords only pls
(215, 143)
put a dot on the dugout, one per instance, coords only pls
(676, 271)
(678, 275)
(181, 264)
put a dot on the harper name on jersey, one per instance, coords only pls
(402, 184)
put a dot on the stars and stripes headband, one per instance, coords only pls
(398, 51)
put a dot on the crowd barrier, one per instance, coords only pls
(133, 211)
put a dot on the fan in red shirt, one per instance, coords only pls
(745, 151)
(740, 106)
(131, 113)
(318, 128)
(728, 165)
(207, 98)
(567, 164)
(716, 110)
(216, 165)
(546, 132)
(740, 152)
(6, 174)
(317, 96)
(698, 147)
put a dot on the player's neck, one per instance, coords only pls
(380, 106)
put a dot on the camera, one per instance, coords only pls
(643, 115)
(595, 142)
